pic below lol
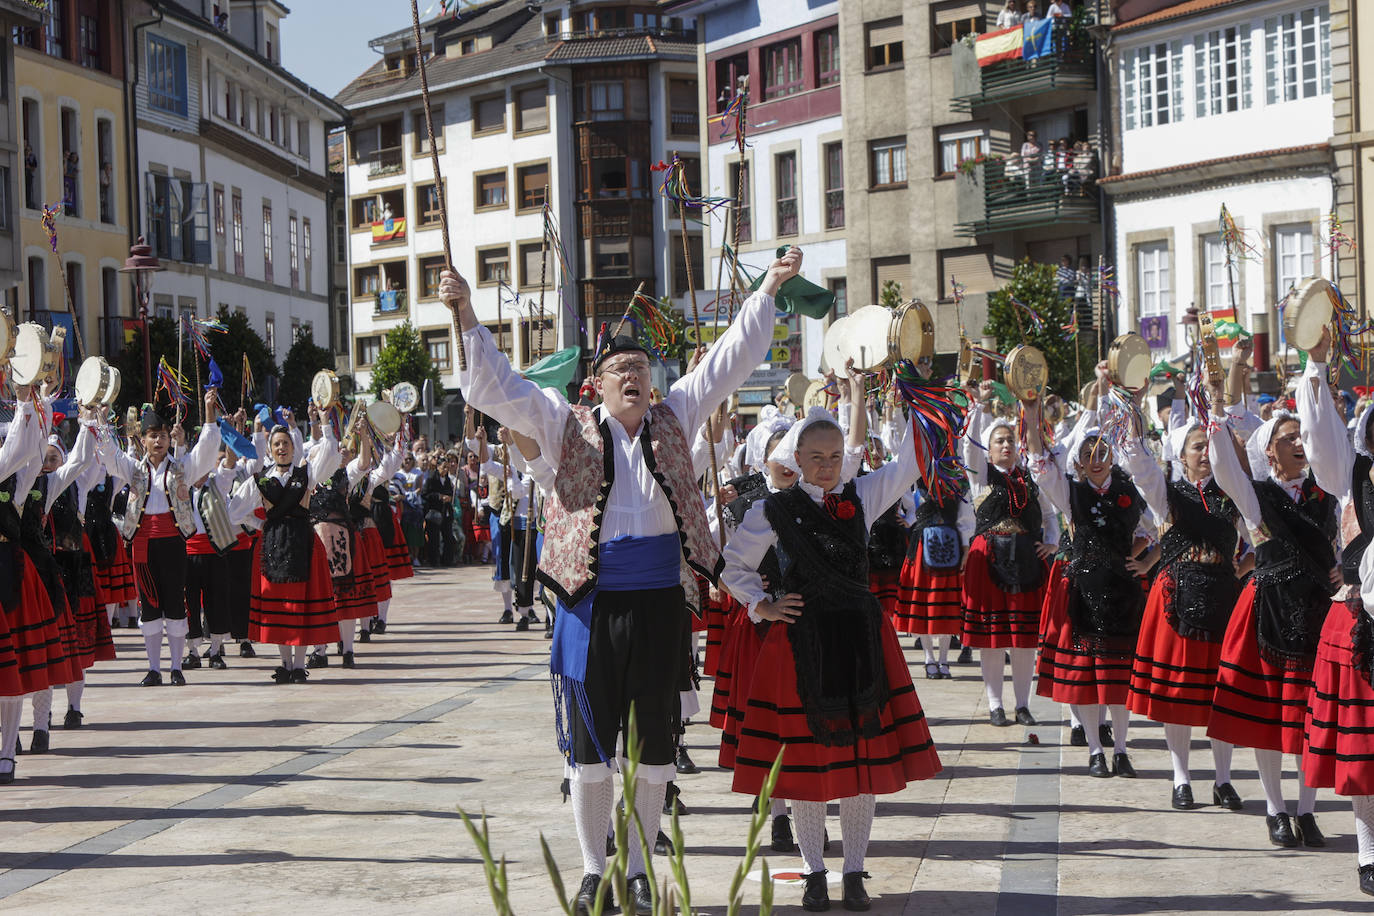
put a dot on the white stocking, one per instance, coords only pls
(176, 640)
(928, 646)
(592, 804)
(1074, 721)
(649, 807)
(808, 818)
(217, 642)
(1091, 718)
(285, 657)
(11, 708)
(42, 709)
(152, 643)
(1121, 721)
(992, 663)
(299, 652)
(1364, 825)
(1179, 740)
(1221, 759)
(346, 634)
(74, 690)
(110, 612)
(777, 807)
(856, 823)
(1270, 766)
(382, 607)
(1307, 796)
(1022, 673)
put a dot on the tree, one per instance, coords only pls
(1034, 285)
(228, 350)
(302, 361)
(162, 335)
(403, 358)
(890, 295)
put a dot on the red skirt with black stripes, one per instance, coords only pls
(35, 635)
(992, 619)
(928, 602)
(293, 613)
(1338, 740)
(374, 551)
(1068, 673)
(1256, 704)
(357, 599)
(398, 554)
(885, 585)
(734, 677)
(774, 722)
(1173, 678)
(114, 584)
(715, 617)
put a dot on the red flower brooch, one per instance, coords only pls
(844, 510)
(1123, 501)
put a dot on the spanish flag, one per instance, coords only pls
(1005, 44)
(390, 230)
(1227, 329)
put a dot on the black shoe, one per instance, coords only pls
(246, 650)
(1183, 798)
(378, 626)
(73, 719)
(586, 895)
(1078, 737)
(1121, 766)
(348, 659)
(39, 744)
(998, 717)
(1023, 715)
(672, 801)
(641, 901)
(855, 897)
(816, 898)
(825, 841)
(1281, 830)
(364, 635)
(932, 671)
(1097, 767)
(1367, 879)
(299, 676)
(684, 763)
(217, 661)
(965, 656)
(782, 834)
(1306, 829)
(610, 844)
(1225, 796)
(151, 679)
(507, 617)
(8, 777)
(192, 660)
(317, 660)
(522, 625)
(1104, 734)
(282, 675)
(177, 678)
(662, 845)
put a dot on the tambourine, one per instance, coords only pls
(967, 363)
(1309, 310)
(112, 389)
(385, 418)
(1026, 372)
(797, 385)
(1129, 362)
(912, 333)
(815, 395)
(405, 397)
(1211, 352)
(35, 353)
(324, 389)
(835, 348)
(94, 381)
(8, 332)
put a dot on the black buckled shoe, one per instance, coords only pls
(7, 777)
(1225, 795)
(1078, 737)
(177, 678)
(282, 675)
(246, 650)
(586, 895)
(39, 744)
(932, 671)
(72, 719)
(1097, 767)
(1023, 715)
(782, 834)
(1183, 798)
(192, 660)
(855, 897)
(364, 635)
(506, 617)
(684, 763)
(641, 900)
(317, 660)
(1121, 766)
(299, 675)
(151, 679)
(1305, 827)
(378, 626)
(965, 656)
(998, 717)
(1281, 830)
(663, 846)
(816, 897)
(1367, 879)
(672, 801)
(348, 660)
(217, 661)
(522, 625)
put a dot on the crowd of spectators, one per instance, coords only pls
(443, 495)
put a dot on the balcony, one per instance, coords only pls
(612, 140)
(387, 161)
(1000, 195)
(616, 219)
(683, 124)
(1070, 65)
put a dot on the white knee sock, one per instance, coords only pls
(74, 690)
(1221, 759)
(1270, 766)
(808, 819)
(992, 663)
(856, 823)
(1121, 721)
(928, 647)
(944, 648)
(504, 590)
(193, 644)
(42, 709)
(299, 652)
(1307, 796)
(777, 807)
(1074, 721)
(382, 607)
(152, 643)
(346, 634)
(110, 612)
(176, 640)
(1179, 739)
(1090, 717)
(649, 808)
(217, 642)
(285, 657)
(11, 708)
(1022, 673)
(1364, 825)
(592, 804)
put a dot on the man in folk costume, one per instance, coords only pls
(157, 520)
(208, 579)
(621, 519)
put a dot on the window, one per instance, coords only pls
(739, 186)
(55, 28)
(267, 242)
(303, 140)
(38, 293)
(958, 146)
(782, 69)
(104, 138)
(88, 48)
(533, 267)
(493, 266)
(840, 287)
(368, 349)
(682, 108)
(606, 101)
(1293, 256)
(421, 130)
(427, 204)
(728, 73)
(828, 56)
(884, 44)
(1152, 278)
(166, 75)
(219, 212)
(340, 236)
(366, 211)
(429, 277)
(489, 114)
(888, 159)
(683, 282)
(951, 21)
(892, 270)
(238, 234)
(366, 281)
(269, 336)
(971, 268)
(785, 175)
(611, 257)
(69, 122)
(178, 218)
(309, 250)
(4, 197)
(293, 244)
(1216, 291)
(1297, 55)
(491, 189)
(1152, 85)
(1221, 64)
(834, 185)
(534, 182)
(538, 338)
(531, 109)
(437, 344)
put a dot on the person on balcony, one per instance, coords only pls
(1031, 150)
(1033, 14)
(1058, 9)
(1081, 169)
(1010, 15)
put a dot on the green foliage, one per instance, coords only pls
(1035, 285)
(403, 358)
(302, 361)
(891, 294)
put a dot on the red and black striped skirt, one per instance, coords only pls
(714, 617)
(374, 552)
(885, 585)
(928, 602)
(293, 613)
(1338, 741)
(35, 633)
(398, 554)
(358, 599)
(114, 584)
(1068, 673)
(734, 677)
(1173, 678)
(992, 619)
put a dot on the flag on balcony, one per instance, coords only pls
(1036, 41)
(1227, 329)
(389, 230)
(1005, 44)
(388, 301)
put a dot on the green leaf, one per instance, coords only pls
(403, 358)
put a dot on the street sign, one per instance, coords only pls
(756, 397)
(710, 332)
(767, 378)
(779, 355)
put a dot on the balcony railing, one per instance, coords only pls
(387, 161)
(998, 195)
(683, 123)
(1070, 64)
(665, 34)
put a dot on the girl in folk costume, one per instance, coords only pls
(1174, 675)
(292, 602)
(888, 535)
(1092, 611)
(1005, 571)
(355, 595)
(1270, 646)
(388, 503)
(240, 558)
(157, 520)
(114, 575)
(930, 584)
(831, 689)
(372, 515)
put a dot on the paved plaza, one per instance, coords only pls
(236, 795)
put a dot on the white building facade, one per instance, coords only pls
(1230, 107)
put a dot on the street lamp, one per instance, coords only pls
(142, 263)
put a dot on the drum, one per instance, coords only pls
(34, 359)
(1128, 361)
(867, 338)
(1308, 311)
(1026, 372)
(797, 385)
(112, 389)
(815, 395)
(385, 419)
(911, 335)
(93, 380)
(324, 389)
(1211, 352)
(835, 343)
(405, 397)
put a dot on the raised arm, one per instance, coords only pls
(201, 459)
(78, 459)
(1148, 477)
(1324, 436)
(885, 486)
(1230, 476)
(21, 442)
(325, 458)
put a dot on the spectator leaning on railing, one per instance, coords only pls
(1010, 15)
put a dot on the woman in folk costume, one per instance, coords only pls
(367, 524)
(157, 520)
(114, 575)
(831, 689)
(1270, 644)
(292, 601)
(1005, 572)
(388, 502)
(1092, 611)
(930, 584)
(238, 466)
(1174, 675)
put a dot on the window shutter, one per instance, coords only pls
(885, 35)
(973, 270)
(957, 12)
(895, 269)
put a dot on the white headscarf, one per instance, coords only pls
(1362, 424)
(1259, 441)
(992, 426)
(56, 443)
(770, 421)
(1178, 439)
(785, 452)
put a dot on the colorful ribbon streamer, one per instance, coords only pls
(937, 422)
(733, 121)
(1106, 281)
(1238, 245)
(1037, 323)
(674, 187)
(199, 330)
(172, 383)
(49, 220)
